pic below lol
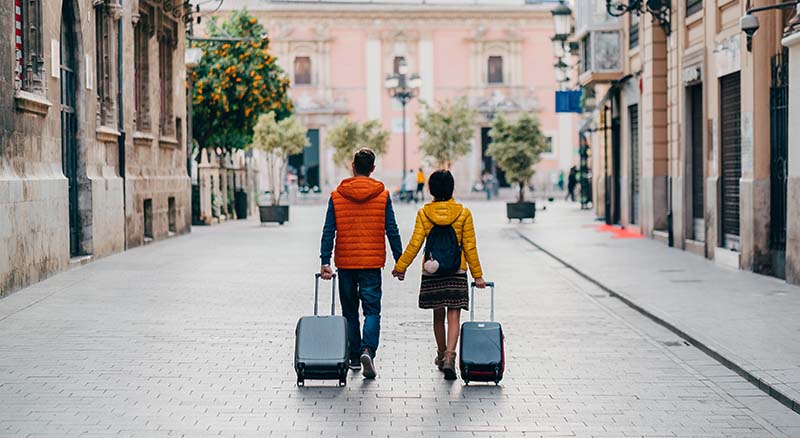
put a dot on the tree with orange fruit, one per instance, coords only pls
(235, 82)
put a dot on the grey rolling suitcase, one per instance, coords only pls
(483, 355)
(320, 349)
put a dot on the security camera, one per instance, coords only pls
(749, 24)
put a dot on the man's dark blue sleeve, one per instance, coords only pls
(392, 232)
(328, 234)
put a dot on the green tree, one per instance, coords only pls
(447, 131)
(235, 82)
(349, 136)
(279, 139)
(517, 146)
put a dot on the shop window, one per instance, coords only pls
(143, 31)
(103, 64)
(28, 42)
(167, 42)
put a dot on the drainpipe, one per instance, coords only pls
(121, 129)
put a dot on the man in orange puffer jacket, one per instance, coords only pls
(359, 215)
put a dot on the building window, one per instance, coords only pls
(398, 60)
(141, 53)
(302, 70)
(547, 146)
(633, 32)
(167, 41)
(103, 63)
(693, 6)
(28, 41)
(586, 53)
(495, 70)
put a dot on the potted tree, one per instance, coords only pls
(279, 140)
(517, 146)
(349, 136)
(447, 131)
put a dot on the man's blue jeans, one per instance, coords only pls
(364, 286)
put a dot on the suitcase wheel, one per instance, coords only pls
(301, 382)
(342, 383)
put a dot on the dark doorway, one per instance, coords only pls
(779, 160)
(306, 164)
(488, 162)
(636, 166)
(730, 95)
(69, 121)
(695, 97)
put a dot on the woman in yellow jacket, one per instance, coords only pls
(445, 294)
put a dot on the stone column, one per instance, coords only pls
(754, 186)
(654, 129)
(206, 173)
(792, 41)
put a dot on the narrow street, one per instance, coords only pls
(194, 336)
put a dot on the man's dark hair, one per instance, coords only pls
(441, 185)
(364, 162)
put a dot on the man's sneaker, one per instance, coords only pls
(368, 364)
(355, 364)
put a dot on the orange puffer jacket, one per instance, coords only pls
(444, 213)
(359, 205)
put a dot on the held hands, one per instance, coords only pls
(398, 275)
(326, 272)
(480, 283)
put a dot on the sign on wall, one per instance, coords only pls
(568, 101)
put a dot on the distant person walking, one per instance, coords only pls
(420, 194)
(572, 181)
(410, 186)
(488, 184)
(359, 215)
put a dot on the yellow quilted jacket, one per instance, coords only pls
(444, 213)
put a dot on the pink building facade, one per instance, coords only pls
(497, 55)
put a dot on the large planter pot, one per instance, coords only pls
(274, 213)
(521, 210)
(241, 204)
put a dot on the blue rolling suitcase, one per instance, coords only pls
(482, 357)
(320, 349)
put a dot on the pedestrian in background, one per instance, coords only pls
(445, 286)
(410, 186)
(572, 181)
(488, 184)
(420, 194)
(359, 215)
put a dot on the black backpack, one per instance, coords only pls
(443, 246)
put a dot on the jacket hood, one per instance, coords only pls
(443, 213)
(360, 188)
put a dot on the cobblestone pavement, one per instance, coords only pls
(749, 319)
(194, 337)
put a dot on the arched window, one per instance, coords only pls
(29, 49)
(495, 70)
(302, 70)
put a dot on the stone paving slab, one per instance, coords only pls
(749, 319)
(194, 336)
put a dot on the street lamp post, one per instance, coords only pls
(403, 87)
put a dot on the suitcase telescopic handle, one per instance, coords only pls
(489, 284)
(317, 276)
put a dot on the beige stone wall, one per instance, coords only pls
(34, 202)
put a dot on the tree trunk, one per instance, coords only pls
(521, 196)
